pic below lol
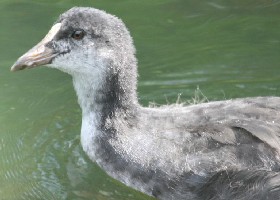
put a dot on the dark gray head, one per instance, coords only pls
(87, 43)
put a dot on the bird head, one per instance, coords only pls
(82, 40)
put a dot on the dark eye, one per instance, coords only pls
(78, 34)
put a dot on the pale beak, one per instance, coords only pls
(39, 54)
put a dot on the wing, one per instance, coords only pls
(231, 149)
(242, 133)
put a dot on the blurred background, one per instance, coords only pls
(229, 49)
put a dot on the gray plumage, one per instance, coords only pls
(212, 151)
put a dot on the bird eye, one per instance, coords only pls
(78, 35)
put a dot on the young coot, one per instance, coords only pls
(219, 150)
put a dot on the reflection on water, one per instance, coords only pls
(229, 49)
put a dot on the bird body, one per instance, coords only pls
(217, 150)
(172, 152)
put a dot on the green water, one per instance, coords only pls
(229, 49)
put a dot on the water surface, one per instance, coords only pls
(227, 49)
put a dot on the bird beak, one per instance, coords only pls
(39, 54)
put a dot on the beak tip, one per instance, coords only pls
(13, 70)
(16, 67)
(19, 65)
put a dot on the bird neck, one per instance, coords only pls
(110, 83)
(105, 93)
(106, 101)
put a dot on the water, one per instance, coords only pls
(229, 49)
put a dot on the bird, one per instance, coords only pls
(219, 150)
